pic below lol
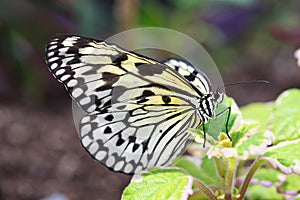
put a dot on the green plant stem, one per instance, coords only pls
(257, 163)
(229, 179)
(201, 186)
(221, 170)
(221, 166)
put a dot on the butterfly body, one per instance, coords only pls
(138, 110)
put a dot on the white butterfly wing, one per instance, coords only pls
(138, 110)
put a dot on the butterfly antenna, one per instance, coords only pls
(242, 82)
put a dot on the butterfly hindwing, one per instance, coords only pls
(132, 137)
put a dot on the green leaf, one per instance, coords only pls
(245, 142)
(259, 112)
(168, 183)
(241, 134)
(285, 120)
(281, 117)
(284, 156)
(254, 145)
(203, 169)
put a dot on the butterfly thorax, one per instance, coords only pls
(208, 104)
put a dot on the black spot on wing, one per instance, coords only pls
(120, 141)
(109, 117)
(120, 59)
(110, 78)
(148, 93)
(135, 147)
(145, 144)
(150, 69)
(143, 98)
(166, 99)
(190, 77)
(132, 138)
(122, 107)
(107, 130)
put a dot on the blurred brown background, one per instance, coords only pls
(40, 153)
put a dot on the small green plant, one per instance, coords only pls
(261, 162)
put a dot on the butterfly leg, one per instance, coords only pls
(227, 120)
(204, 134)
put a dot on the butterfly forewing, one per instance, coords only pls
(138, 110)
(90, 69)
(196, 77)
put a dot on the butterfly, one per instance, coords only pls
(138, 111)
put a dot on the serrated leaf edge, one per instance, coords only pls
(277, 165)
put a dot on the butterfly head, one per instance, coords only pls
(217, 96)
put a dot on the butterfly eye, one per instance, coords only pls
(216, 96)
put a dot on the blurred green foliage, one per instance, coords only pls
(234, 32)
